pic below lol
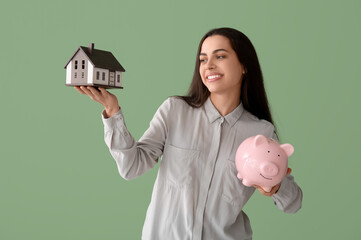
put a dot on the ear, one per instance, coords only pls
(244, 69)
(259, 140)
(288, 148)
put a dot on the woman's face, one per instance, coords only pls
(220, 68)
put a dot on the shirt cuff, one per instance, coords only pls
(110, 123)
(284, 190)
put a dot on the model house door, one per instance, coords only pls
(111, 79)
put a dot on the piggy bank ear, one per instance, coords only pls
(288, 148)
(259, 140)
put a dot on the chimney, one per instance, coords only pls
(91, 48)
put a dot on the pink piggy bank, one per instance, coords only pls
(262, 161)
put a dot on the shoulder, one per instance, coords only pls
(173, 106)
(178, 111)
(256, 125)
(175, 103)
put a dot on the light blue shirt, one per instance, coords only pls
(197, 194)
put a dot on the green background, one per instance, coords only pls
(57, 178)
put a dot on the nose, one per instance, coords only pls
(211, 67)
(269, 169)
(210, 64)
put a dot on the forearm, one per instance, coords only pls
(135, 158)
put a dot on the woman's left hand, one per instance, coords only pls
(274, 189)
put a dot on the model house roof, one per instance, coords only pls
(100, 58)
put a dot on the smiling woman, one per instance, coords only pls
(221, 72)
(253, 94)
(197, 194)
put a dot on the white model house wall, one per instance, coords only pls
(79, 68)
(90, 72)
(68, 73)
(101, 76)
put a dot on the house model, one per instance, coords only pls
(93, 67)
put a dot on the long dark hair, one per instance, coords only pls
(253, 93)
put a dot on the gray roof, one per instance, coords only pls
(100, 59)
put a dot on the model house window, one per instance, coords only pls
(83, 64)
(98, 75)
(75, 74)
(76, 64)
(103, 76)
(82, 74)
(118, 78)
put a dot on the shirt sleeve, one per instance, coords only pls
(289, 196)
(135, 158)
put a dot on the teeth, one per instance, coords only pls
(213, 76)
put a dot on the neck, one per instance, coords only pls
(225, 104)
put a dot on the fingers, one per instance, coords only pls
(261, 190)
(94, 91)
(102, 96)
(106, 94)
(268, 194)
(93, 94)
(79, 90)
(103, 91)
(86, 91)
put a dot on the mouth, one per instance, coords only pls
(265, 177)
(214, 77)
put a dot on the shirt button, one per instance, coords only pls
(222, 119)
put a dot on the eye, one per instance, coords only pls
(202, 60)
(220, 57)
(268, 151)
(279, 155)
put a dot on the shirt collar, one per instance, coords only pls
(213, 114)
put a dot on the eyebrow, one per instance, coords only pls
(215, 51)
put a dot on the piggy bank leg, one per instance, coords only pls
(246, 183)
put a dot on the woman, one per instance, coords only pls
(197, 194)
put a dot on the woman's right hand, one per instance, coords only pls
(105, 98)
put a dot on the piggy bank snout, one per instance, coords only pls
(269, 169)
